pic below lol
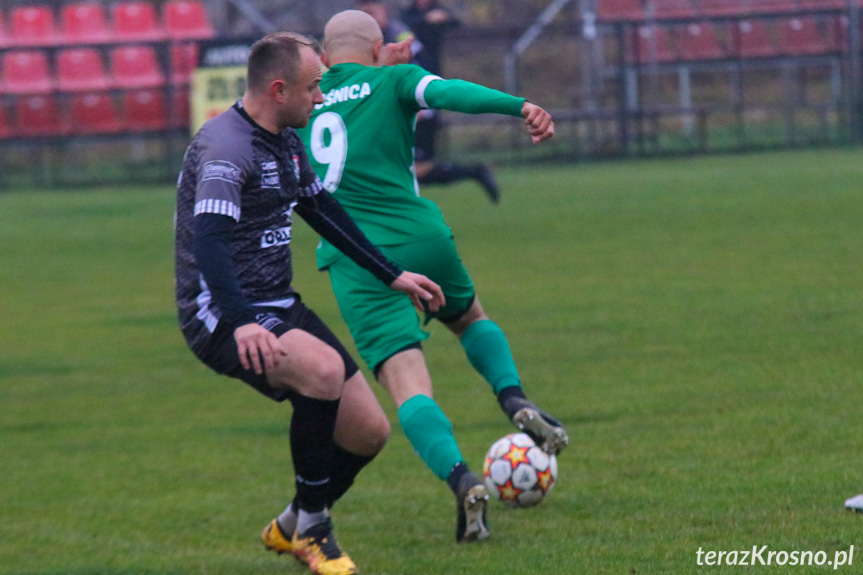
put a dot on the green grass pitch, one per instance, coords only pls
(696, 323)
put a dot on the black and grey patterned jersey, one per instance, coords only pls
(235, 168)
(256, 180)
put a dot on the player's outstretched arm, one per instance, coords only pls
(539, 124)
(469, 98)
(421, 290)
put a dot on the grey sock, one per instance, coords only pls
(288, 520)
(306, 519)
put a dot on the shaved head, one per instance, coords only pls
(351, 33)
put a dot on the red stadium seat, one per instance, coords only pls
(144, 110)
(93, 113)
(653, 45)
(698, 41)
(4, 33)
(26, 72)
(136, 20)
(136, 66)
(724, 7)
(184, 60)
(81, 69)
(800, 37)
(821, 4)
(5, 128)
(620, 10)
(37, 116)
(752, 40)
(85, 23)
(664, 9)
(187, 19)
(764, 6)
(180, 114)
(33, 26)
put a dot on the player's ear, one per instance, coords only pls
(376, 50)
(277, 90)
(325, 59)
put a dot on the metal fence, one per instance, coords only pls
(680, 78)
(622, 77)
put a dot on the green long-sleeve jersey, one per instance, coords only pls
(361, 144)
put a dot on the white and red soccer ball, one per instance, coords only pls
(518, 472)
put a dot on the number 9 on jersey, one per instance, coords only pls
(329, 143)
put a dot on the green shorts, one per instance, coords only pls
(383, 321)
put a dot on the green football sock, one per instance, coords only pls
(489, 354)
(430, 433)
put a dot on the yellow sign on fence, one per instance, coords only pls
(219, 80)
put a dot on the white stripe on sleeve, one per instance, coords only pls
(312, 189)
(420, 92)
(220, 207)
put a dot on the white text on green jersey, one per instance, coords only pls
(345, 93)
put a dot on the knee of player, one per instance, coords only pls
(326, 379)
(379, 433)
(376, 434)
(330, 377)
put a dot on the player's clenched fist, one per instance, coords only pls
(539, 123)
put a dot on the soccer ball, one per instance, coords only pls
(518, 472)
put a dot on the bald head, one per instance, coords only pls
(351, 36)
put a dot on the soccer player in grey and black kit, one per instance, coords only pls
(244, 176)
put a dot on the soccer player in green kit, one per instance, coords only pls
(360, 142)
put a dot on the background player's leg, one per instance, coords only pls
(445, 173)
(430, 171)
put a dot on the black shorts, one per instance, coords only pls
(425, 137)
(223, 357)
